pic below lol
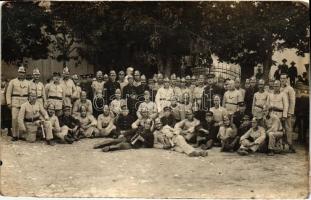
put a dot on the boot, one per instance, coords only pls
(50, 142)
(194, 154)
(68, 139)
(14, 139)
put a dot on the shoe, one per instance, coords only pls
(50, 142)
(68, 139)
(194, 154)
(203, 153)
(203, 147)
(105, 149)
(291, 150)
(14, 139)
(242, 152)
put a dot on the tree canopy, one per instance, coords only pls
(156, 35)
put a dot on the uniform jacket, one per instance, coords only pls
(258, 136)
(17, 92)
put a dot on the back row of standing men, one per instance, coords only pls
(198, 94)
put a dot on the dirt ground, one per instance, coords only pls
(79, 171)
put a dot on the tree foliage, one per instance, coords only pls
(25, 31)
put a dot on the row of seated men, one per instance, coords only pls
(235, 132)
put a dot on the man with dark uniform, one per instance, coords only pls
(292, 73)
(16, 95)
(111, 85)
(130, 94)
(209, 91)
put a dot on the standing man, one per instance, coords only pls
(37, 87)
(68, 86)
(290, 95)
(31, 116)
(259, 101)
(231, 98)
(130, 95)
(237, 83)
(77, 88)
(55, 94)
(16, 95)
(164, 96)
(121, 79)
(284, 67)
(98, 93)
(111, 85)
(292, 73)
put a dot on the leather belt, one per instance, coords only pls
(231, 103)
(31, 119)
(18, 95)
(54, 97)
(277, 109)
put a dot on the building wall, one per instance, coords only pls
(46, 67)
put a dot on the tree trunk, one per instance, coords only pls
(267, 64)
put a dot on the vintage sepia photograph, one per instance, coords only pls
(158, 99)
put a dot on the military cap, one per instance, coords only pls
(241, 104)
(188, 77)
(118, 91)
(144, 109)
(36, 71)
(167, 108)
(56, 74)
(209, 113)
(143, 77)
(51, 106)
(75, 76)
(182, 80)
(130, 69)
(124, 107)
(66, 107)
(173, 76)
(210, 75)
(21, 69)
(105, 75)
(292, 63)
(160, 75)
(137, 73)
(188, 112)
(129, 76)
(193, 77)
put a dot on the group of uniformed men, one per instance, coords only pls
(188, 114)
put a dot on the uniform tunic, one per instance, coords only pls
(257, 136)
(55, 95)
(151, 109)
(105, 124)
(69, 89)
(39, 89)
(16, 95)
(218, 114)
(259, 101)
(28, 118)
(77, 105)
(279, 103)
(231, 100)
(163, 97)
(85, 121)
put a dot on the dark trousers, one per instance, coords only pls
(115, 144)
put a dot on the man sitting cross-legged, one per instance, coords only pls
(57, 133)
(207, 132)
(88, 124)
(69, 125)
(188, 126)
(165, 137)
(140, 138)
(253, 140)
(83, 101)
(105, 123)
(228, 136)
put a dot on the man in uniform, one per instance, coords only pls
(165, 137)
(99, 93)
(83, 101)
(290, 95)
(259, 101)
(69, 124)
(198, 93)
(77, 89)
(209, 91)
(55, 94)
(16, 95)
(164, 95)
(130, 95)
(168, 118)
(273, 127)
(292, 73)
(253, 140)
(32, 116)
(231, 98)
(151, 106)
(218, 111)
(121, 79)
(187, 127)
(284, 67)
(111, 86)
(68, 86)
(237, 117)
(137, 81)
(105, 124)
(237, 83)
(36, 86)
(129, 72)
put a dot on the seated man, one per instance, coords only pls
(184, 105)
(105, 123)
(207, 132)
(124, 122)
(142, 138)
(83, 101)
(168, 118)
(228, 136)
(32, 116)
(141, 121)
(56, 127)
(69, 125)
(188, 126)
(237, 117)
(87, 123)
(165, 137)
(149, 105)
(245, 125)
(253, 140)
(116, 103)
(274, 129)
(218, 111)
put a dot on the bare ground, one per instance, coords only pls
(79, 171)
